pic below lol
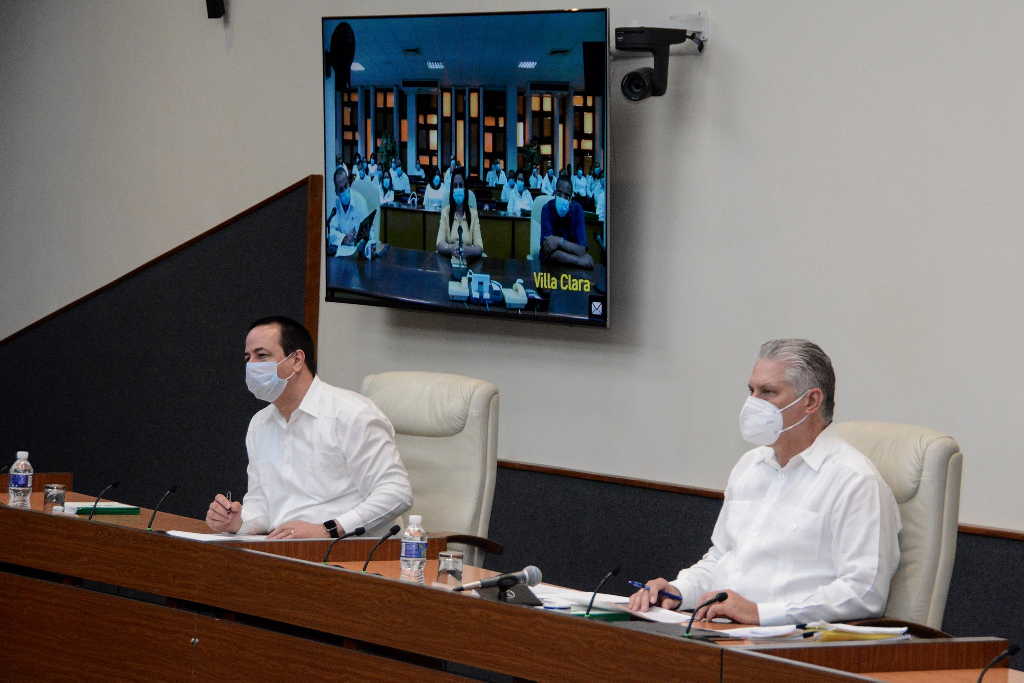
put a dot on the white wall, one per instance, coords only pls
(842, 171)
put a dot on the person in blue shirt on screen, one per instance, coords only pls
(520, 201)
(348, 212)
(563, 231)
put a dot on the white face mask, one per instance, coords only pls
(262, 380)
(761, 421)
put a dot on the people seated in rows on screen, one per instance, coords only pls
(416, 171)
(347, 213)
(520, 201)
(579, 183)
(400, 179)
(534, 179)
(508, 188)
(563, 231)
(320, 457)
(387, 191)
(456, 214)
(809, 529)
(547, 184)
(435, 195)
(495, 176)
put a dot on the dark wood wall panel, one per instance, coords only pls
(142, 381)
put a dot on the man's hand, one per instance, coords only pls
(736, 607)
(642, 600)
(224, 515)
(551, 243)
(297, 529)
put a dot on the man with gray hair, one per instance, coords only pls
(809, 530)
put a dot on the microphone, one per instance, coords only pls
(1008, 652)
(530, 576)
(391, 532)
(358, 531)
(613, 572)
(719, 597)
(152, 518)
(111, 485)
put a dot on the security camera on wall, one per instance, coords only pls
(643, 83)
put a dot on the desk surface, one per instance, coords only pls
(420, 278)
(372, 624)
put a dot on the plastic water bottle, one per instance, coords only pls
(414, 550)
(19, 487)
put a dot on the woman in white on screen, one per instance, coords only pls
(387, 192)
(456, 214)
(436, 194)
(520, 200)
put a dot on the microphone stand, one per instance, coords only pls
(152, 517)
(391, 532)
(719, 597)
(358, 531)
(111, 485)
(610, 574)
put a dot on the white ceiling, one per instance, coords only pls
(476, 49)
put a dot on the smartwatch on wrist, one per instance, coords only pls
(332, 527)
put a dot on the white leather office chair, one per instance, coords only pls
(923, 468)
(538, 204)
(369, 192)
(446, 428)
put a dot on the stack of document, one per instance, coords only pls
(607, 601)
(818, 630)
(104, 507)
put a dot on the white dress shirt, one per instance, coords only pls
(579, 185)
(817, 539)
(435, 198)
(519, 202)
(334, 459)
(400, 181)
(535, 181)
(346, 220)
(547, 185)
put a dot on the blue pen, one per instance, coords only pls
(663, 594)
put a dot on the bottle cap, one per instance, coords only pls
(22, 455)
(415, 520)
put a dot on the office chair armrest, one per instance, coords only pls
(487, 545)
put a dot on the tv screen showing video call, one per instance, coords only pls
(465, 163)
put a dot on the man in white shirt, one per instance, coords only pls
(399, 180)
(579, 184)
(322, 460)
(547, 185)
(348, 212)
(809, 530)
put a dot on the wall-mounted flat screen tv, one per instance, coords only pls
(465, 162)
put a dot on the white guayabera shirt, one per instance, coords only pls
(334, 459)
(817, 539)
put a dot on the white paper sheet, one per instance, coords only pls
(207, 538)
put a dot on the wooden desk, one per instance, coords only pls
(310, 550)
(202, 610)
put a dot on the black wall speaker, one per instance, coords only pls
(595, 59)
(215, 9)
